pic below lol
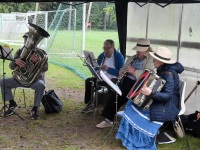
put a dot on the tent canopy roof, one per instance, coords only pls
(143, 1)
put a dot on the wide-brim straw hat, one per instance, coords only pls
(163, 54)
(142, 45)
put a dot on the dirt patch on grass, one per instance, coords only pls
(68, 129)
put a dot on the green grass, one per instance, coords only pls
(66, 40)
(68, 129)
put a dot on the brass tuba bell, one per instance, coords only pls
(29, 73)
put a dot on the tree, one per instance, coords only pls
(88, 16)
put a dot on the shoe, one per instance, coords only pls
(34, 114)
(104, 124)
(10, 110)
(89, 108)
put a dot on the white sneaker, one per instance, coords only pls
(104, 124)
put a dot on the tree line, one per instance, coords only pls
(102, 14)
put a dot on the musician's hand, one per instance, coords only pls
(121, 73)
(104, 67)
(34, 58)
(145, 90)
(130, 70)
(20, 62)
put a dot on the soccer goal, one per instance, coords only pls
(60, 24)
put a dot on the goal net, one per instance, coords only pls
(60, 24)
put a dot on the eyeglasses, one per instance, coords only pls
(106, 48)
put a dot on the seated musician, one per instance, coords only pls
(139, 127)
(110, 61)
(11, 83)
(133, 67)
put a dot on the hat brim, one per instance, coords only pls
(25, 36)
(139, 48)
(171, 61)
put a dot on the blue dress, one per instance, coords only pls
(136, 131)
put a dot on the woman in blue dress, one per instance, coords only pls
(138, 127)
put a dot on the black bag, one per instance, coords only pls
(51, 102)
(191, 124)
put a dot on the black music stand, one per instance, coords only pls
(118, 92)
(89, 57)
(5, 54)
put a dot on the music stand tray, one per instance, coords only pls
(90, 58)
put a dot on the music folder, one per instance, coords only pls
(110, 83)
(93, 71)
(90, 58)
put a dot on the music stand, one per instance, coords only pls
(5, 54)
(118, 92)
(94, 73)
(90, 58)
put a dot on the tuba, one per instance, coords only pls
(30, 72)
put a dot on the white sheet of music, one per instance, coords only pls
(110, 83)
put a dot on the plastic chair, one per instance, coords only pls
(24, 96)
(164, 137)
(182, 87)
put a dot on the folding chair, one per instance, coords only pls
(164, 137)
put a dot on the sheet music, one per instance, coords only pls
(5, 52)
(110, 83)
(93, 71)
(90, 58)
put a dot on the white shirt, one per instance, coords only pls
(110, 62)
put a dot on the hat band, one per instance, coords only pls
(143, 45)
(161, 57)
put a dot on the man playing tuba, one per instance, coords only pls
(38, 84)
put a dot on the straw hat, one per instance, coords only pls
(163, 54)
(142, 45)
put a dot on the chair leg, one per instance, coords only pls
(180, 122)
(14, 92)
(24, 99)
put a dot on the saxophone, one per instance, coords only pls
(30, 72)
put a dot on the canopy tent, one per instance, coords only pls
(121, 7)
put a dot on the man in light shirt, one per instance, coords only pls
(110, 61)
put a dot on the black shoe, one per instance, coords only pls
(89, 108)
(34, 114)
(10, 110)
